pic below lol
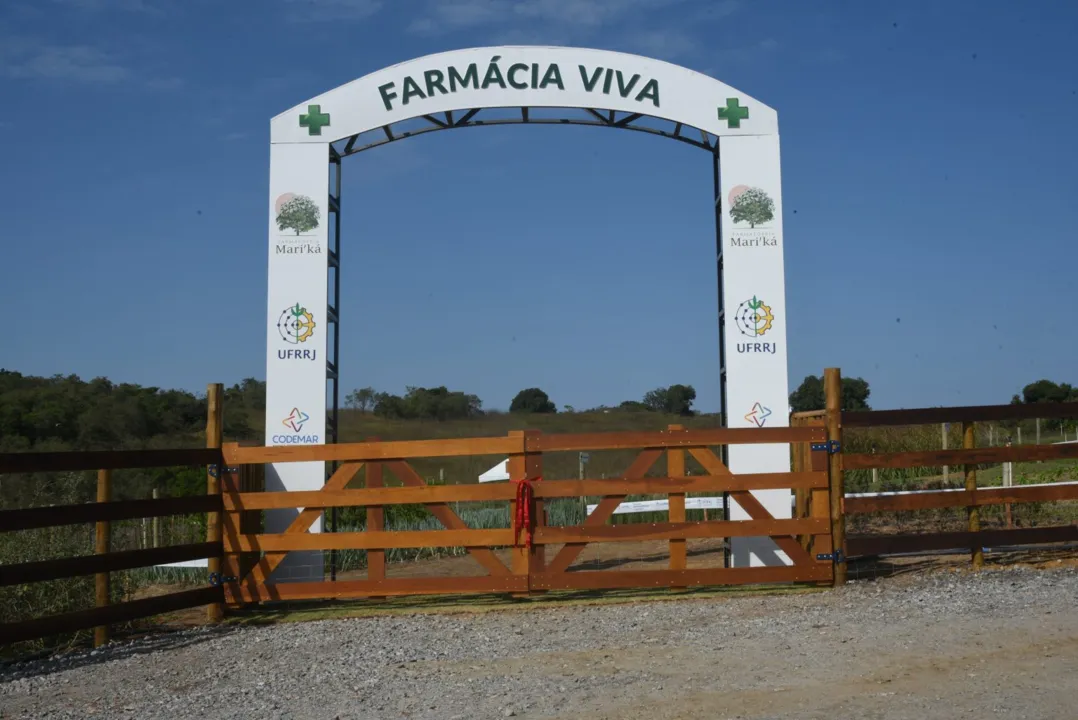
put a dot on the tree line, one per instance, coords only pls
(809, 395)
(65, 412)
(440, 403)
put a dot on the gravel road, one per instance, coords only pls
(1000, 643)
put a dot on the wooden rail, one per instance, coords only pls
(969, 414)
(43, 570)
(549, 489)
(932, 500)
(455, 447)
(33, 462)
(58, 515)
(107, 615)
(970, 456)
(874, 545)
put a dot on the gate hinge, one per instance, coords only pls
(832, 447)
(219, 579)
(836, 556)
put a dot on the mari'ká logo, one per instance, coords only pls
(296, 325)
(298, 213)
(754, 317)
(296, 420)
(751, 205)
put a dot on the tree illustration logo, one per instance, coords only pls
(296, 212)
(754, 317)
(751, 205)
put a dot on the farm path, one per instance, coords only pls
(942, 644)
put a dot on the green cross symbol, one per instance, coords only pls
(733, 113)
(314, 120)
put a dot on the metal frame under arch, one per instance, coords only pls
(590, 117)
(467, 118)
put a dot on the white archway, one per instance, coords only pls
(522, 85)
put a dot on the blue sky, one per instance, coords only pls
(929, 176)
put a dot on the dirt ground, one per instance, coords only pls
(909, 639)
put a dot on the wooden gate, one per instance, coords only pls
(515, 559)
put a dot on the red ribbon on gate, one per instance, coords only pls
(523, 515)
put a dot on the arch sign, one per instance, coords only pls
(526, 85)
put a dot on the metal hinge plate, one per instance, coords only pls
(218, 579)
(835, 556)
(831, 447)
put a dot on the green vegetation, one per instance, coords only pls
(674, 400)
(810, 396)
(67, 413)
(1046, 391)
(532, 400)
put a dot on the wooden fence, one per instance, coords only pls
(971, 497)
(528, 568)
(242, 557)
(103, 513)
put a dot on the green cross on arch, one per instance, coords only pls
(314, 120)
(733, 113)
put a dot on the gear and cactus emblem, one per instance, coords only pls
(296, 325)
(754, 317)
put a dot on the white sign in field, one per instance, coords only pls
(496, 473)
(645, 506)
(447, 90)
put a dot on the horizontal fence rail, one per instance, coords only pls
(546, 489)
(952, 498)
(972, 456)
(410, 449)
(58, 515)
(972, 413)
(872, 545)
(43, 570)
(284, 542)
(35, 462)
(108, 615)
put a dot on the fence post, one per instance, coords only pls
(376, 521)
(969, 441)
(102, 533)
(832, 382)
(525, 465)
(675, 467)
(801, 496)
(946, 468)
(156, 523)
(215, 612)
(1008, 481)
